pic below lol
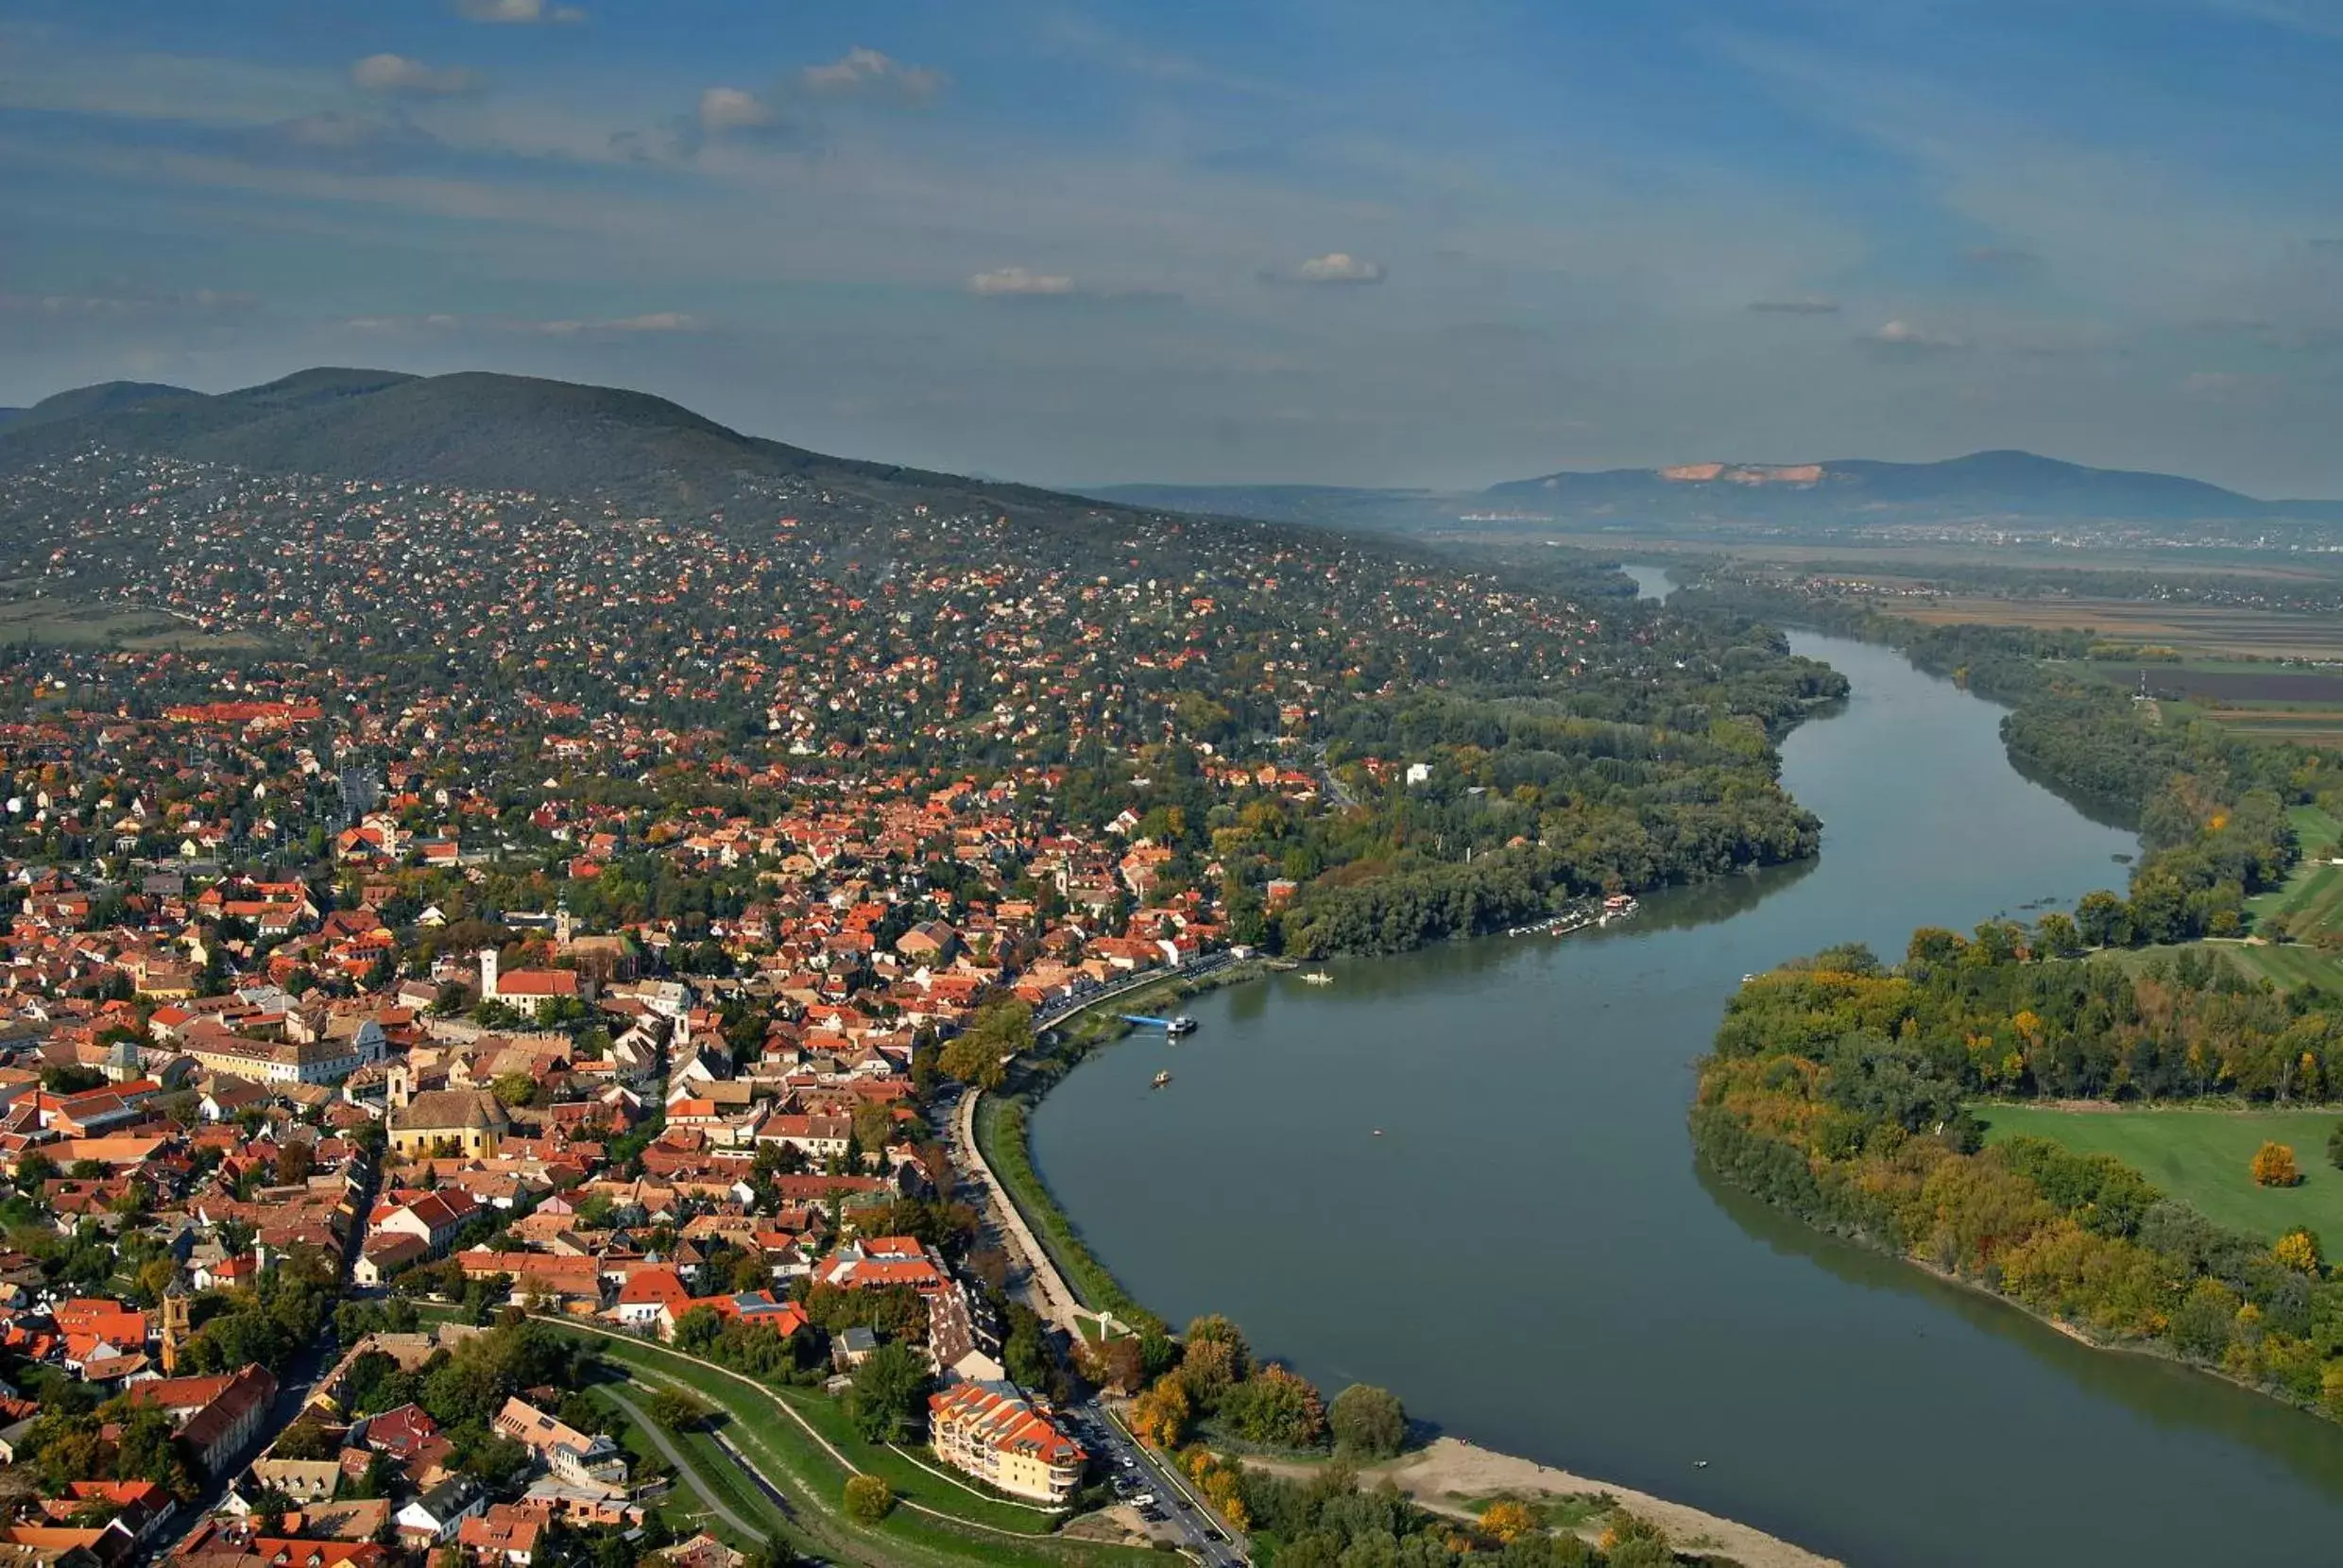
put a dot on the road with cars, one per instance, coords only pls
(1135, 1470)
(1145, 1479)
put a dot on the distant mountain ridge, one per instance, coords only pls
(487, 431)
(1982, 487)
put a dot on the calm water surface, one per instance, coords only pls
(1527, 1255)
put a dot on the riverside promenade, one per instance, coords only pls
(1051, 1296)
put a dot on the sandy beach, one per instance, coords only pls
(1451, 1474)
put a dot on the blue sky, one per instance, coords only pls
(1326, 239)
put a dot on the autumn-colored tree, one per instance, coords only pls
(2274, 1166)
(868, 1498)
(2298, 1250)
(1160, 1416)
(1275, 1407)
(1624, 1527)
(1215, 1328)
(1209, 1368)
(973, 1059)
(1368, 1421)
(1508, 1520)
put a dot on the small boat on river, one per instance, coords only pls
(1317, 977)
(1161, 1078)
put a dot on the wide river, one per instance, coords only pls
(1527, 1257)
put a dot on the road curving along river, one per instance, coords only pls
(1463, 1174)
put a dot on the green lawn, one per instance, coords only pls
(681, 1508)
(993, 1532)
(2200, 1156)
(2285, 967)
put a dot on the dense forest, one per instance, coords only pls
(1838, 1091)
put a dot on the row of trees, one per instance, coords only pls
(1215, 1382)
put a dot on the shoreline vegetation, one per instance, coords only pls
(1447, 1477)
(1847, 1091)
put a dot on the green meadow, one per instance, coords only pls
(2201, 1157)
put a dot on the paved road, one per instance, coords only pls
(675, 1455)
(1047, 1291)
(1123, 1455)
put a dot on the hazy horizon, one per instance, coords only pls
(1093, 244)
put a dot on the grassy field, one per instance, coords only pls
(1000, 1137)
(2311, 902)
(63, 622)
(2200, 1156)
(757, 1420)
(2285, 967)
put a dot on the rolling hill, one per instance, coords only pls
(487, 431)
(477, 429)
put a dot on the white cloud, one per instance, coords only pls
(730, 109)
(1020, 280)
(400, 77)
(521, 12)
(861, 70)
(1338, 267)
(1907, 336)
(657, 321)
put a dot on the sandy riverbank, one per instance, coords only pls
(1451, 1475)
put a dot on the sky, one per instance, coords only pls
(1224, 241)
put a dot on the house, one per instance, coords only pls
(569, 1455)
(237, 1545)
(407, 1435)
(758, 1307)
(218, 1415)
(653, 1298)
(872, 1262)
(144, 1507)
(433, 1219)
(702, 1551)
(526, 991)
(506, 1533)
(306, 1481)
(993, 1432)
(385, 1253)
(471, 1122)
(433, 1516)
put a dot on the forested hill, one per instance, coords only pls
(485, 431)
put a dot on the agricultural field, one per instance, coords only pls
(2207, 631)
(2202, 1156)
(2267, 701)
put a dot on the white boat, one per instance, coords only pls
(1318, 977)
(1161, 1078)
